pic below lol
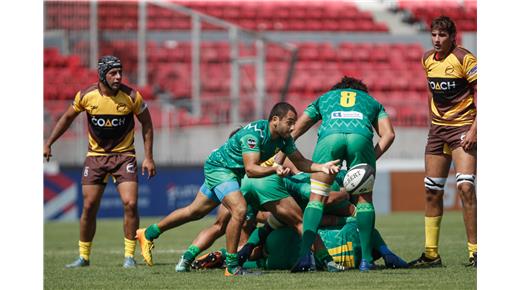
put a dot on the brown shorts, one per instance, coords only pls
(444, 139)
(97, 169)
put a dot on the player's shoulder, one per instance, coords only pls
(460, 53)
(131, 92)
(427, 55)
(88, 90)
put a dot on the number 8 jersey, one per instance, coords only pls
(346, 111)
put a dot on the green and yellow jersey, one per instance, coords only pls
(346, 111)
(110, 119)
(451, 83)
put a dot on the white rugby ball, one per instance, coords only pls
(359, 179)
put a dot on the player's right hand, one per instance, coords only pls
(282, 171)
(47, 152)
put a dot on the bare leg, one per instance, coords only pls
(91, 200)
(236, 205)
(466, 163)
(209, 235)
(128, 193)
(198, 209)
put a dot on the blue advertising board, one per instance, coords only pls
(170, 189)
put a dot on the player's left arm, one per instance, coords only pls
(386, 133)
(307, 165)
(147, 127)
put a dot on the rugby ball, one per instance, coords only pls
(359, 179)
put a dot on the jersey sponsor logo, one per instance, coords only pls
(251, 143)
(121, 107)
(346, 115)
(472, 71)
(107, 121)
(442, 86)
(449, 70)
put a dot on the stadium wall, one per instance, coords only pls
(398, 189)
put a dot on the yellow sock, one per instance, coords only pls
(84, 249)
(129, 247)
(472, 248)
(432, 228)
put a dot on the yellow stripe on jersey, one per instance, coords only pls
(343, 255)
(269, 162)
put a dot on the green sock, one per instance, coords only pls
(323, 256)
(152, 232)
(231, 261)
(259, 235)
(366, 217)
(311, 221)
(191, 253)
(224, 252)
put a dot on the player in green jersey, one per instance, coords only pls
(271, 194)
(281, 249)
(349, 115)
(241, 154)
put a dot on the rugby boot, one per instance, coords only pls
(209, 261)
(366, 266)
(239, 271)
(425, 262)
(146, 247)
(79, 262)
(394, 262)
(304, 264)
(183, 265)
(129, 262)
(472, 261)
(335, 267)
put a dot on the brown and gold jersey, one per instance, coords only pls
(451, 83)
(110, 119)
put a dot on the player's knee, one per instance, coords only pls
(465, 183)
(239, 211)
(89, 208)
(130, 205)
(434, 185)
(466, 188)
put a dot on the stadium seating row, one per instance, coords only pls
(64, 75)
(261, 15)
(463, 13)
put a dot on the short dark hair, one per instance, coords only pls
(350, 83)
(444, 23)
(281, 109)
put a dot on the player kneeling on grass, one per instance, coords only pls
(282, 246)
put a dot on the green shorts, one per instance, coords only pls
(258, 191)
(353, 148)
(214, 175)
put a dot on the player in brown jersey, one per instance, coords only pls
(452, 77)
(110, 108)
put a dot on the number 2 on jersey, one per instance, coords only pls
(348, 99)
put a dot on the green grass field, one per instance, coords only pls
(403, 232)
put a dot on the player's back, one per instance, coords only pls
(345, 111)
